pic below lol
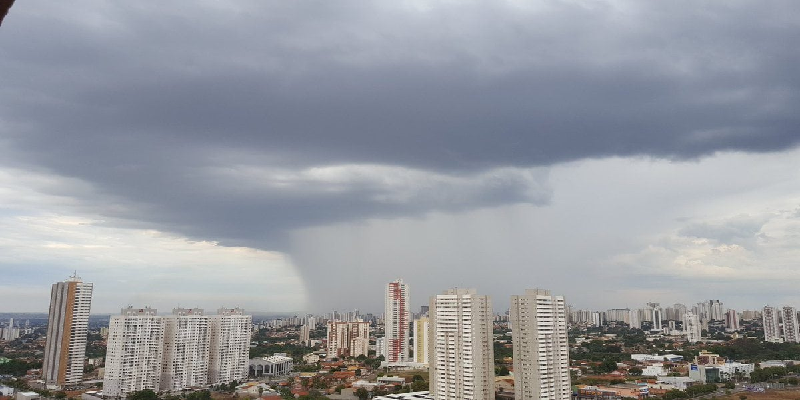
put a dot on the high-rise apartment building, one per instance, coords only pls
(134, 352)
(772, 328)
(229, 349)
(691, 327)
(186, 349)
(635, 320)
(656, 316)
(716, 311)
(305, 335)
(541, 348)
(731, 320)
(461, 355)
(67, 326)
(421, 340)
(791, 334)
(619, 315)
(348, 339)
(396, 322)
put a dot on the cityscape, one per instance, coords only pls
(456, 347)
(399, 200)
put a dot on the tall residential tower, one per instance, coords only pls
(186, 349)
(134, 352)
(541, 349)
(397, 322)
(68, 322)
(461, 354)
(229, 349)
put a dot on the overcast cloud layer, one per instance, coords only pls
(297, 155)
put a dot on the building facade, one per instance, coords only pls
(541, 349)
(396, 322)
(691, 327)
(790, 328)
(134, 352)
(305, 335)
(461, 354)
(186, 349)
(348, 339)
(421, 340)
(771, 322)
(67, 328)
(731, 320)
(229, 348)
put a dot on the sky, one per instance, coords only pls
(295, 156)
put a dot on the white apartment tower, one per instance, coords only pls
(772, 328)
(691, 327)
(635, 321)
(790, 328)
(656, 316)
(396, 322)
(305, 335)
(67, 326)
(716, 310)
(541, 349)
(134, 352)
(229, 349)
(461, 355)
(421, 340)
(186, 350)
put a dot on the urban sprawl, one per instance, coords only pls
(454, 348)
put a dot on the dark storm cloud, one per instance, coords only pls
(148, 101)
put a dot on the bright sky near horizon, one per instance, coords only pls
(299, 155)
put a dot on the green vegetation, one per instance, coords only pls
(146, 394)
(754, 350)
(692, 391)
(17, 367)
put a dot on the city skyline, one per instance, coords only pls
(716, 311)
(618, 152)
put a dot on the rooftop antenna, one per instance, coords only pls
(75, 276)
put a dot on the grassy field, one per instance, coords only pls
(789, 394)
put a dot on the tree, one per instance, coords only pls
(635, 371)
(146, 394)
(419, 385)
(362, 393)
(201, 395)
(606, 366)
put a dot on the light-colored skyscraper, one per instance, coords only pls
(397, 320)
(380, 347)
(656, 316)
(716, 311)
(229, 350)
(186, 349)
(691, 327)
(541, 349)
(636, 322)
(461, 355)
(772, 328)
(134, 352)
(68, 322)
(305, 335)
(790, 328)
(731, 320)
(421, 340)
(348, 339)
